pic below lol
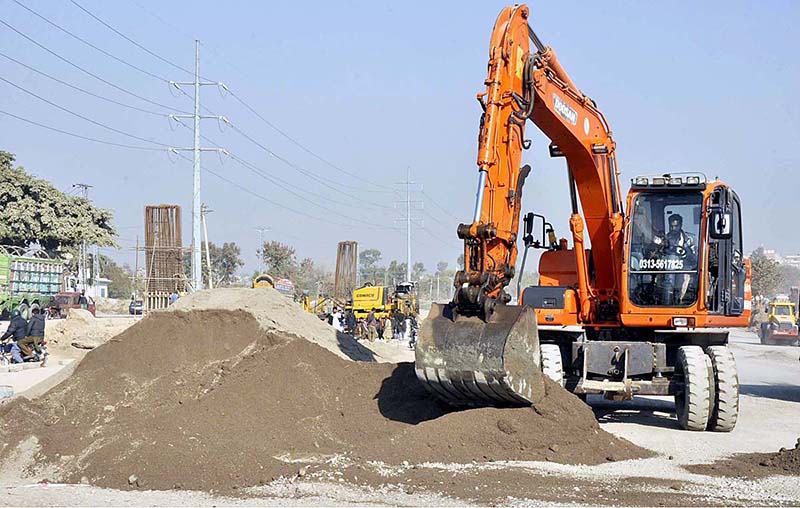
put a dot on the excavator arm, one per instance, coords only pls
(478, 349)
(525, 85)
(490, 240)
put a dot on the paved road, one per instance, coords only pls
(769, 378)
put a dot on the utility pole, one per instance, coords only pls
(204, 210)
(82, 264)
(261, 230)
(197, 275)
(135, 269)
(408, 220)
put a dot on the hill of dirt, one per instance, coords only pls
(276, 312)
(209, 400)
(785, 461)
(81, 331)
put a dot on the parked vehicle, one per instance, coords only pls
(72, 300)
(136, 307)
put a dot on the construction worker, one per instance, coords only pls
(372, 326)
(399, 325)
(34, 336)
(17, 329)
(83, 301)
(350, 322)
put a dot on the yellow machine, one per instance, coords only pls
(370, 297)
(402, 299)
(781, 324)
(263, 281)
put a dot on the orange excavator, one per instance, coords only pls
(636, 310)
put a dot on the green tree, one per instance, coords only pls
(279, 259)
(441, 267)
(460, 262)
(417, 271)
(225, 261)
(790, 277)
(312, 278)
(368, 265)
(767, 275)
(121, 277)
(395, 272)
(33, 211)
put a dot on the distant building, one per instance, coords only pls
(792, 260)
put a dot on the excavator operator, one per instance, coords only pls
(681, 247)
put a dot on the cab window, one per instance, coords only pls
(664, 249)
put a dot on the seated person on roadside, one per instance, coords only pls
(34, 336)
(17, 330)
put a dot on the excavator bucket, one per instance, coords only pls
(467, 361)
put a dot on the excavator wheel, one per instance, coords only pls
(725, 391)
(693, 401)
(468, 361)
(552, 365)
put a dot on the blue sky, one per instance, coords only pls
(378, 88)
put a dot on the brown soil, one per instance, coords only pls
(754, 465)
(208, 400)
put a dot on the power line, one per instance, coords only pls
(84, 41)
(281, 182)
(304, 171)
(82, 90)
(259, 172)
(87, 138)
(440, 207)
(62, 108)
(85, 71)
(237, 97)
(286, 185)
(268, 200)
(303, 147)
(156, 55)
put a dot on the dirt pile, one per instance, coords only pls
(117, 306)
(208, 400)
(783, 462)
(81, 331)
(277, 313)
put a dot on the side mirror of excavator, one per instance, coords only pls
(720, 225)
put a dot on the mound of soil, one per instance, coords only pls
(276, 312)
(783, 462)
(208, 400)
(82, 331)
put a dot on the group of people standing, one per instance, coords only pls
(396, 325)
(27, 337)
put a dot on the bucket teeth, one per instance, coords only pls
(467, 361)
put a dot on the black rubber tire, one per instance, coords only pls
(693, 402)
(725, 410)
(552, 365)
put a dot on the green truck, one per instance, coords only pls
(27, 275)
